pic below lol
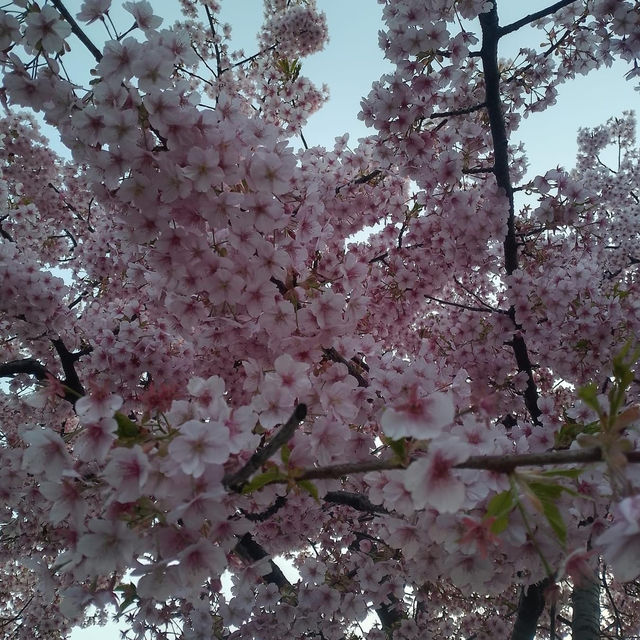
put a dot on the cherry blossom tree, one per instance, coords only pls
(400, 366)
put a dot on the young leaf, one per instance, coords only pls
(501, 505)
(309, 487)
(127, 428)
(271, 475)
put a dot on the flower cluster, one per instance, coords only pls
(221, 348)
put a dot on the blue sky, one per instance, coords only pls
(352, 61)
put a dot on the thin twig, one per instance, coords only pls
(459, 112)
(75, 28)
(463, 306)
(333, 355)
(532, 17)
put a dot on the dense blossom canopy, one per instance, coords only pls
(398, 364)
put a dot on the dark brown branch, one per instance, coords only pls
(68, 361)
(514, 26)
(3, 232)
(354, 500)
(7, 621)
(352, 367)
(342, 470)
(381, 258)
(496, 463)
(361, 179)
(459, 112)
(29, 366)
(612, 603)
(215, 44)
(489, 51)
(250, 58)
(237, 479)
(78, 32)
(250, 551)
(478, 170)
(279, 502)
(530, 607)
(464, 306)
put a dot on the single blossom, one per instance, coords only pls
(432, 480)
(620, 543)
(418, 416)
(47, 28)
(92, 10)
(200, 444)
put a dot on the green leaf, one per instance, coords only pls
(127, 428)
(548, 494)
(623, 363)
(552, 513)
(285, 453)
(129, 596)
(546, 491)
(501, 505)
(564, 473)
(271, 475)
(399, 447)
(309, 487)
(589, 395)
(499, 524)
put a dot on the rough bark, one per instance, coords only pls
(585, 624)
(530, 608)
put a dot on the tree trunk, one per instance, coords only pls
(585, 624)
(530, 607)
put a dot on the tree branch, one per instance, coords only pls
(464, 306)
(333, 355)
(30, 366)
(77, 30)
(68, 361)
(354, 500)
(494, 463)
(237, 479)
(251, 551)
(530, 607)
(458, 112)
(514, 26)
(489, 55)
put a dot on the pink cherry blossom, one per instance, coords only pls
(432, 480)
(142, 11)
(47, 453)
(619, 543)
(109, 545)
(200, 444)
(46, 28)
(92, 10)
(418, 417)
(127, 472)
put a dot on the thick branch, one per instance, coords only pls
(29, 366)
(489, 55)
(514, 26)
(250, 551)
(585, 600)
(68, 361)
(530, 607)
(508, 464)
(79, 33)
(237, 479)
